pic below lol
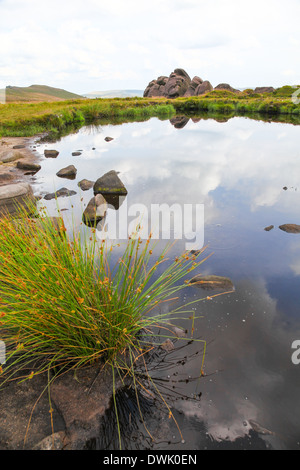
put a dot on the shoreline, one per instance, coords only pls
(9, 172)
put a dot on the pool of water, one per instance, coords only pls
(244, 176)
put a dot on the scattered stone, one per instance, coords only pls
(16, 196)
(67, 172)
(75, 154)
(212, 282)
(110, 183)
(28, 166)
(63, 192)
(108, 139)
(51, 153)
(85, 184)
(167, 345)
(270, 227)
(285, 188)
(95, 210)
(290, 228)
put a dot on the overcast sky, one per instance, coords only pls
(94, 45)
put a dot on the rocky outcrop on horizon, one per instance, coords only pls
(179, 84)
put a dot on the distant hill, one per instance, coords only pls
(38, 93)
(114, 94)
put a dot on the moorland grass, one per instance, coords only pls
(29, 119)
(65, 304)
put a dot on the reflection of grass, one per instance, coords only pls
(65, 306)
(29, 119)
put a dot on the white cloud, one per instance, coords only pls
(65, 43)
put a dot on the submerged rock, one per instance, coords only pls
(67, 172)
(29, 166)
(108, 139)
(51, 153)
(110, 183)
(85, 184)
(270, 227)
(290, 228)
(212, 282)
(63, 192)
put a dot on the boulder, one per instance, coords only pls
(192, 86)
(95, 210)
(110, 183)
(85, 184)
(8, 157)
(212, 282)
(67, 172)
(16, 196)
(290, 228)
(51, 153)
(63, 192)
(227, 87)
(264, 89)
(203, 88)
(170, 87)
(28, 166)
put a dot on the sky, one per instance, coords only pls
(96, 45)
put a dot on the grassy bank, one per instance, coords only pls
(29, 119)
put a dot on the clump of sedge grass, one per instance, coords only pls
(63, 305)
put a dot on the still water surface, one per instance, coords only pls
(237, 170)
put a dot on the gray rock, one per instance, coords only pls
(19, 146)
(227, 87)
(67, 172)
(212, 282)
(110, 183)
(193, 85)
(51, 153)
(76, 154)
(28, 166)
(16, 196)
(95, 210)
(63, 192)
(203, 88)
(9, 157)
(85, 184)
(173, 86)
(264, 89)
(270, 227)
